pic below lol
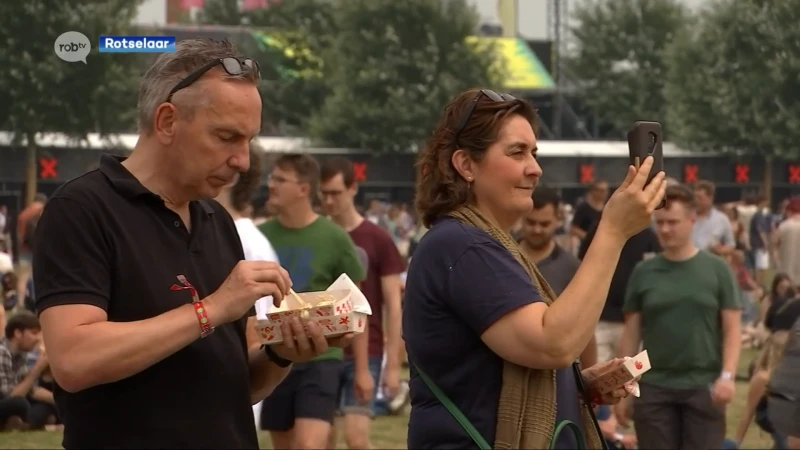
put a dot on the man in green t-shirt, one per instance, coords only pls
(682, 306)
(315, 251)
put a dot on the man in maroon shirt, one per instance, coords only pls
(382, 288)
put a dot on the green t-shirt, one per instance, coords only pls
(315, 256)
(681, 329)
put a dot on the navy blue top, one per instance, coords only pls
(459, 283)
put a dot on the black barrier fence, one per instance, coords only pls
(58, 165)
(392, 176)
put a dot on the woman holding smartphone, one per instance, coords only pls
(491, 349)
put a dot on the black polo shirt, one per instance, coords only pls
(106, 241)
(636, 249)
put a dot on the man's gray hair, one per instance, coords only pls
(170, 68)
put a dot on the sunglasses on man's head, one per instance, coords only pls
(233, 66)
(491, 95)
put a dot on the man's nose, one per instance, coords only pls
(241, 159)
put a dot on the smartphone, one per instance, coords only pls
(645, 139)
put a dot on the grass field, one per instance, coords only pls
(390, 432)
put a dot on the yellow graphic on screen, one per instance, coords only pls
(520, 67)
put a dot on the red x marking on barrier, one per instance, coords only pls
(690, 173)
(360, 171)
(48, 168)
(742, 173)
(794, 173)
(586, 173)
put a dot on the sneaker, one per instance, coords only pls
(401, 399)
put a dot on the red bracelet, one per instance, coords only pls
(202, 316)
(199, 308)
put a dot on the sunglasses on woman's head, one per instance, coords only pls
(492, 95)
(233, 66)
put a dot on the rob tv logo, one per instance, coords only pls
(73, 47)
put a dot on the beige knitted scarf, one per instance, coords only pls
(526, 415)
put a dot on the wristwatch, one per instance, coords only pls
(274, 358)
(726, 376)
(617, 439)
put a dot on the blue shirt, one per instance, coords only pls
(759, 224)
(460, 282)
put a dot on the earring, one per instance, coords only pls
(469, 178)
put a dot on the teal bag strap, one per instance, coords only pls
(576, 431)
(455, 412)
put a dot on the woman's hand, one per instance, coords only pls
(629, 209)
(590, 376)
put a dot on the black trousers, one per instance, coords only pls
(13, 406)
(33, 412)
(684, 419)
(40, 412)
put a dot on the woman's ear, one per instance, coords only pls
(463, 165)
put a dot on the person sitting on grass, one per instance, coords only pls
(23, 403)
(756, 406)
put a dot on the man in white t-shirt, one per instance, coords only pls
(786, 241)
(235, 198)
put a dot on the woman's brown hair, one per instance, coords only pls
(247, 185)
(440, 189)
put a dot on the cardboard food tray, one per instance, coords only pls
(344, 309)
(627, 372)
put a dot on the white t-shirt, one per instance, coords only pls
(6, 264)
(256, 248)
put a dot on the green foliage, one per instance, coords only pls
(220, 12)
(41, 93)
(291, 38)
(301, 32)
(733, 81)
(392, 67)
(618, 61)
(368, 74)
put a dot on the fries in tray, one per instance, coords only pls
(340, 309)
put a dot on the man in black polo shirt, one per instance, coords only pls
(557, 265)
(144, 297)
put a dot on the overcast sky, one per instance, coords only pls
(533, 14)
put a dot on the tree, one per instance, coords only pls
(220, 12)
(733, 85)
(292, 36)
(41, 93)
(618, 60)
(391, 68)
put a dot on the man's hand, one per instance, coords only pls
(42, 363)
(247, 282)
(629, 441)
(391, 382)
(305, 341)
(722, 392)
(363, 386)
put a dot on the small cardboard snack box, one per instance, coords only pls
(340, 309)
(628, 371)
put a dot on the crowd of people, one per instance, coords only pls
(504, 302)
